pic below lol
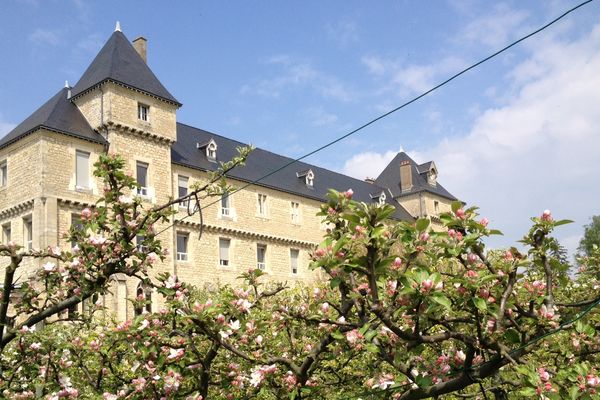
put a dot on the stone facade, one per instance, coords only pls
(42, 194)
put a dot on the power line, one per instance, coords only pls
(409, 102)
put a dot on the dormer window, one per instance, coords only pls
(379, 198)
(143, 112)
(432, 177)
(210, 148)
(309, 177)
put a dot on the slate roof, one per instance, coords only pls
(390, 178)
(118, 61)
(261, 162)
(57, 114)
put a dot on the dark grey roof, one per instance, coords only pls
(425, 167)
(390, 178)
(261, 162)
(57, 114)
(118, 61)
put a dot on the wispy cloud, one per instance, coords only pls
(45, 37)
(296, 74)
(496, 28)
(317, 116)
(406, 79)
(368, 164)
(344, 31)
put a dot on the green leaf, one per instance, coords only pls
(495, 232)
(441, 299)
(480, 303)
(335, 282)
(527, 392)
(512, 336)
(563, 222)
(456, 205)
(337, 335)
(574, 392)
(370, 335)
(422, 224)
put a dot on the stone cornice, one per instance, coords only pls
(139, 132)
(16, 209)
(247, 234)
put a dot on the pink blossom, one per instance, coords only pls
(175, 354)
(353, 336)
(49, 267)
(544, 375)
(397, 263)
(259, 340)
(320, 253)
(460, 357)
(221, 319)
(426, 286)
(460, 213)
(35, 346)
(86, 213)
(325, 308)
(547, 216)
(472, 258)
(484, 222)
(152, 257)
(592, 380)
(546, 312)
(348, 194)
(451, 233)
(472, 274)
(423, 237)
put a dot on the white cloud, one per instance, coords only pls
(45, 37)
(317, 116)
(497, 28)
(540, 150)
(299, 74)
(344, 31)
(368, 164)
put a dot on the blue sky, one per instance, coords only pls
(516, 136)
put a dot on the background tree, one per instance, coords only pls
(591, 237)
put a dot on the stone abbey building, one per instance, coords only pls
(120, 106)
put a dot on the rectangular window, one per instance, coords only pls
(3, 173)
(294, 254)
(261, 257)
(295, 212)
(262, 204)
(182, 246)
(182, 189)
(139, 242)
(28, 232)
(143, 112)
(225, 206)
(142, 177)
(77, 225)
(436, 206)
(224, 245)
(6, 233)
(82, 170)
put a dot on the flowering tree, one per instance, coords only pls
(405, 312)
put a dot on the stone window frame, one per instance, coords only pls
(4, 173)
(261, 265)
(79, 188)
(295, 271)
(295, 212)
(28, 232)
(262, 209)
(6, 232)
(182, 256)
(229, 252)
(143, 112)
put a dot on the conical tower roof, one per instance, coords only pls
(57, 114)
(118, 61)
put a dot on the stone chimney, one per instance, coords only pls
(370, 180)
(405, 175)
(141, 46)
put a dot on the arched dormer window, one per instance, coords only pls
(432, 177)
(309, 177)
(379, 198)
(143, 293)
(210, 149)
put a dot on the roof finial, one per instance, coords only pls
(118, 27)
(67, 84)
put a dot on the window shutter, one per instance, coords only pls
(83, 169)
